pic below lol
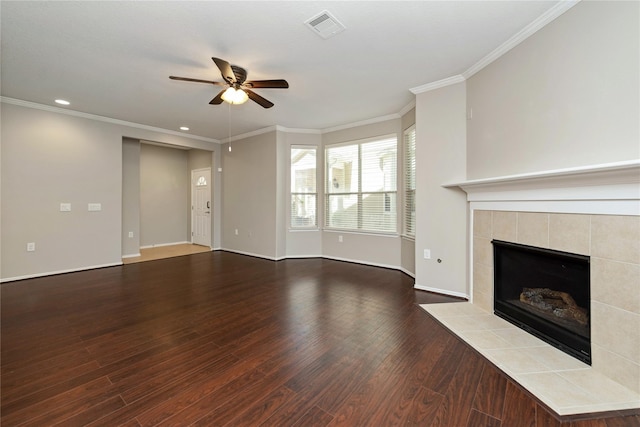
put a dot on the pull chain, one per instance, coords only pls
(229, 126)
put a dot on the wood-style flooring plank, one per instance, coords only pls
(225, 339)
(489, 398)
(459, 396)
(479, 419)
(519, 409)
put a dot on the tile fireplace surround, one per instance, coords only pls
(592, 211)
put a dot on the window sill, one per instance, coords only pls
(366, 233)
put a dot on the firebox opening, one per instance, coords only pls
(545, 292)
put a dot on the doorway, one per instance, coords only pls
(201, 207)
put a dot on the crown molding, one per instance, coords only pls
(407, 107)
(437, 84)
(68, 112)
(249, 134)
(550, 15)
(362, 123)
(540, 22)
(297, 130)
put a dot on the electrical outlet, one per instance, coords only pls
(31, 247)
(65, 207)
(131, 234)
(340, 239)
(94, 207)
(427, 254)
(236, 231)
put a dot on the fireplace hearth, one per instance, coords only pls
(545, 292)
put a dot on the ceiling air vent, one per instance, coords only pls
(325, 25)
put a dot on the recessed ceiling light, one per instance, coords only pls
(184, 128)
(62, 102)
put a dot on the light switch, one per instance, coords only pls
(93, 207)
(65, 207)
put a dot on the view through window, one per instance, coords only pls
(303, 187)
(410, 181)
(361, 185)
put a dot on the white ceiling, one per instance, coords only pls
(113, 59)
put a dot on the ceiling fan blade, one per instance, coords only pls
(188, 79)
(218, 98)
(267, 84)
(225, 70)
(257, 98)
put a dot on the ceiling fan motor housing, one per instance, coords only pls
(241, 74)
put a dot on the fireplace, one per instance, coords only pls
(545, 292)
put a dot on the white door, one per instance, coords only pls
(201, 207)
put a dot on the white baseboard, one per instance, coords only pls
(356, 261)
(303, 256)
(407, 272)
(441, 291)
(53, 273)
(157, 245)
(251, 254)
(131, 255)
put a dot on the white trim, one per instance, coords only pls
(441, 291)
(297, 130)
(354, 261)
(407, 108)
(132, 255)
(95, 117)
(300, 256)
(407, 272)
(380, 119)
(252, 254)
(608, 189)
(249, 134)
(586, 207)
(539, 23)
(604, 167)
(437, 84)
(53, 273)
(157, 245)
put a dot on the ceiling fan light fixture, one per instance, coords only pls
(235, 96)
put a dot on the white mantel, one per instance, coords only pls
(611, 188)
(588, 210)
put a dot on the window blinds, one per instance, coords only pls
(361, 186)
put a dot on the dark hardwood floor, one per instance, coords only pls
(218, 339)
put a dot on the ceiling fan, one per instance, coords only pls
(238, 87)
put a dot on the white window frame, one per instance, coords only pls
(409, 184)
(359, 193)
(292, 194)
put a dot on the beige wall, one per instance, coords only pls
(164, 195)
(612, 242)
(441, 213)
(130, 197)
(249, 195)
(50, 157)
(567, 96)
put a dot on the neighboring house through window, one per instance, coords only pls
(304, 193)
(361, 185)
